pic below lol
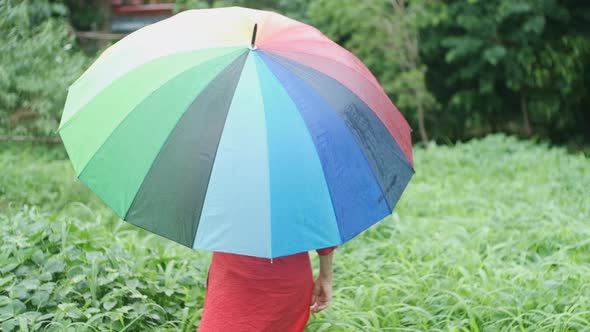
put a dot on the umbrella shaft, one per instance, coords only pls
(254, 36)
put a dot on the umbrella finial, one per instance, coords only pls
(252, 45)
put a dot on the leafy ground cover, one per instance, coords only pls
(491, 235)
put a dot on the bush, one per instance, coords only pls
(38, 61)
(67, 263)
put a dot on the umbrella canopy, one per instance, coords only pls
(238, 130)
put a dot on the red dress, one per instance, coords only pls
(247, 293)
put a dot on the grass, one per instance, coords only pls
(491, 235)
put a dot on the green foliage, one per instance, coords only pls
(491, 235)
(384, 34)
(38, 61)
(498, 63)
(67, 263)
(456, 69)
(293, 8)
(411, 91)
(364, 37)
(85, 15)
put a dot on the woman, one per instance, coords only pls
(247, 293)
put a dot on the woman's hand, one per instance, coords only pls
(322, 290)
(322, 294)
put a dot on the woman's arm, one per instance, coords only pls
(322, 290)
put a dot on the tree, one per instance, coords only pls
(38, 61)
(384, 34)
(409, 85)
(504, 55)
(296, 9)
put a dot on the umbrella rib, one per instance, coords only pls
(166, 141)
(315, 151)
(385, 187)
(217, 148)
(272, 54)
(275, 52)
(81, 108)
(147, 96)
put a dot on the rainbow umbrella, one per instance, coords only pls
(240, 131)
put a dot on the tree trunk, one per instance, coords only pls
(104, 7)
(421, 125)
(525, 113)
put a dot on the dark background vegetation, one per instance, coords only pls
(456, 69)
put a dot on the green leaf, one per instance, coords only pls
(494, 54)
(45, 276)
(38, 257)
(510, 7)
(40, 298)
(30, 284)
(54, 265)
(8, 268)
(535, 24)
(6, 280)
(22, 322)
(4, 301)
(18, 292)
(17, 307)
(9, 325)
(47, 316)
(108, 305)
